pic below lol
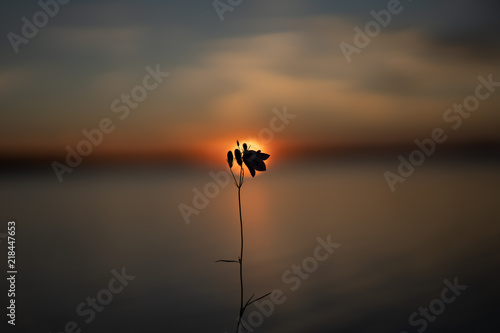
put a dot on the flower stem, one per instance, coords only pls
(241, 262)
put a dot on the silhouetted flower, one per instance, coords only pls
(254, 160)
(230, 158)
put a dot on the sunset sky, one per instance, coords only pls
(341, 93)
(226, 77)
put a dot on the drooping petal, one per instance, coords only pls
(251, 169)
(259, 165)
(262, 156)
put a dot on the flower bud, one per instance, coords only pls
(230, 159)
(237, 154)
(245, 146)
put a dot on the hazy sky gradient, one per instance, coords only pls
(226, 77)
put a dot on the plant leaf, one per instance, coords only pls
(261, 297)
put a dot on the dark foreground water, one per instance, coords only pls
(392, 252)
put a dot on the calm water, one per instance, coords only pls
(396, 248)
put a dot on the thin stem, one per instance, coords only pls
(234, 178)
(240, 259)
(241, 252)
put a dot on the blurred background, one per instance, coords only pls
(101, 152)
